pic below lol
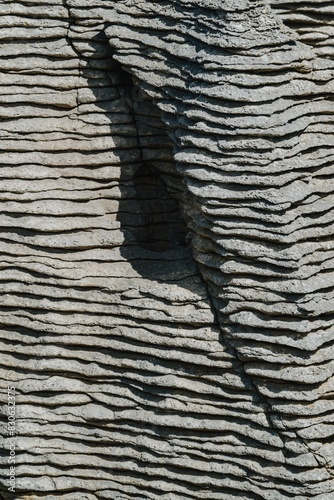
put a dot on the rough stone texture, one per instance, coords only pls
(142, 372)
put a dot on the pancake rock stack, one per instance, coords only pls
(167, 248)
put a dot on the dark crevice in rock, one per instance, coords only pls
(163, 228)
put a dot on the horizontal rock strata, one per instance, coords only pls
(249, 108)
(129, 130)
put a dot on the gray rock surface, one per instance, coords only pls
(167, 248)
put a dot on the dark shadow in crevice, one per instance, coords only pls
(150, 190)
(162, 228)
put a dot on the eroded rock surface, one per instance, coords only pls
(131, 131)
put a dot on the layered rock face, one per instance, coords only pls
(167, 249)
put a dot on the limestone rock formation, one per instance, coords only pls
(167, 248)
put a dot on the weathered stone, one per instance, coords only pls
(129, 132)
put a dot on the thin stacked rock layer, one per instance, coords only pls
(250, 109)
(140, 372)
(312, 20)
